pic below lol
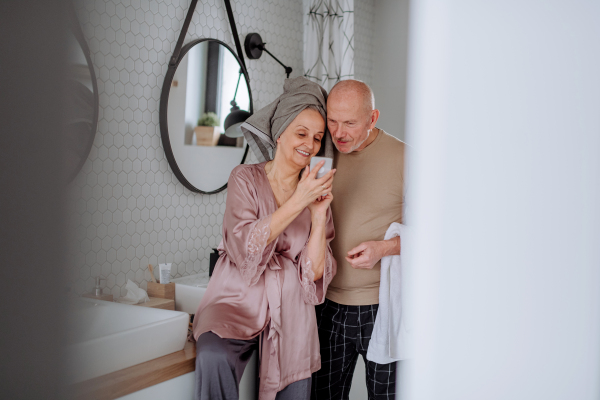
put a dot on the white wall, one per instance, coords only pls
(195, 61)
(504, 103)
(389, 63)
(178, 103)
(364, 32)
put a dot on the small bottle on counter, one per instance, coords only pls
(165, 273)
(97, 292)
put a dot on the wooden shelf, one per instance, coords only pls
(104, 297)
(138, 377)
(157, 302)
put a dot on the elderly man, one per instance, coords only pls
(369, 196)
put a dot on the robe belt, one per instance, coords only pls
(274, 278)
(274, 286)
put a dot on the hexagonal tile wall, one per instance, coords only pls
(130, 208)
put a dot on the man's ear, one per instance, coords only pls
(374, 118)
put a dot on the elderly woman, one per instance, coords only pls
(275, 261)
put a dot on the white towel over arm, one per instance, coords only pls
(389, 341)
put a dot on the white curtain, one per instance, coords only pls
(328, 41)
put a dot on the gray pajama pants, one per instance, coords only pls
(220, 364)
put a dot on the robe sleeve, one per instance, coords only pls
(245, 235)
(313, 292)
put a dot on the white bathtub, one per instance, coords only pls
(105, 337)
(188, 293)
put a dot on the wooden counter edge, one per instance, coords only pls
(138, 377)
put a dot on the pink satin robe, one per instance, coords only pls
(257, 287)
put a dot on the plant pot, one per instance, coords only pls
(207, 135)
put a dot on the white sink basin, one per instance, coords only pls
(189, 291)
(105, 337)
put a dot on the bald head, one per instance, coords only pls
(353, 89)
(351, 115)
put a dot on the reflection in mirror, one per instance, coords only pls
(206, 87)
(82, 107)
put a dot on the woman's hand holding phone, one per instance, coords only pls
(314, 192)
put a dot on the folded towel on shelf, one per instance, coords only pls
(389, 341)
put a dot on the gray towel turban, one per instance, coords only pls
(263, 128)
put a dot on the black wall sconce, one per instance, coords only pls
(254, 47)
(236, 116)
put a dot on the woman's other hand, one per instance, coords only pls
(311, 190)
(320, 205)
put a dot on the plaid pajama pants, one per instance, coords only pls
(344, 333)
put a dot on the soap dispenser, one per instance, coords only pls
(97, 292)
(98, 288)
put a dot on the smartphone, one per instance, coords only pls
(325, 168)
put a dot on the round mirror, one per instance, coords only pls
(201, 90)
(82, 104)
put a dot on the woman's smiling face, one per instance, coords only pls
(301, 140)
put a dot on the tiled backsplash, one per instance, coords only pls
(130, 208)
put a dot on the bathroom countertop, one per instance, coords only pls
(137, 377)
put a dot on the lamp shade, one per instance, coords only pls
(233, 122)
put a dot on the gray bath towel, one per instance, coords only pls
(263, 128)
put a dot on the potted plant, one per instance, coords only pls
(207, 132)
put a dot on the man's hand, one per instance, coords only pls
(367, 254)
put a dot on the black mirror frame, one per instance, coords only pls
(164, 103)
(78, 33)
